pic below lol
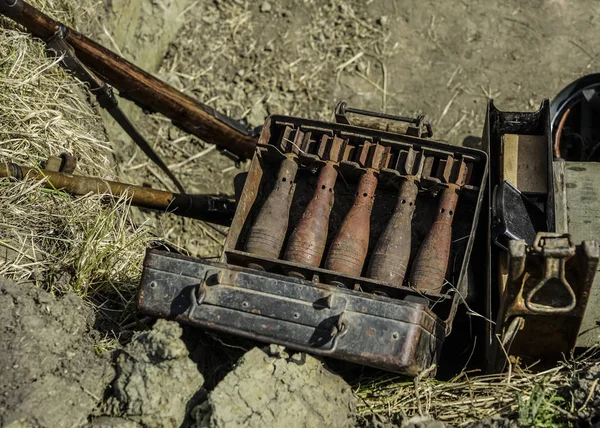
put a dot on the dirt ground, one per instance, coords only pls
(50, 372)
(250, 59)
(297, 57)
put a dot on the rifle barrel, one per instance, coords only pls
(137, 85)
(202, 207)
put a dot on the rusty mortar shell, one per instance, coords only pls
(269, 229)
(349, 248)
(307, 242)
(429, 268)
(391, 254)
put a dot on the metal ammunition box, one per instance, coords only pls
(310, 308)
(537, 292)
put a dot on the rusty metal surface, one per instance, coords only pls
(391, 327)
(547, 290)
(68, 164)
(389, 334)
(410, 126)
(213, 209)
(307, 242)
(268, 232)
(389, 260)
(81, 185)
(497, 124)
(325, 276)
(556, 252)
(64, 163)
(431, 264)
(349, 248)
(348, 251)
(53, 163)
(362, 148)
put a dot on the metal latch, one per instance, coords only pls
(556, 251)
(545, 297)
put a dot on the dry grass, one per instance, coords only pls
(463, 399)
(68, 243)
(553, 397)
(43, 111)
(61, 242)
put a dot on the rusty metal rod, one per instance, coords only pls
(391, 254)
(429, 268)
(307, 242)
(268, 232)
(349, 248)
(138, 85)
(201, 207)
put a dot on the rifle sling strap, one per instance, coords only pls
(106, 98)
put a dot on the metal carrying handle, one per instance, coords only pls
(342, 108)
(339, 330)
(197, 295)
(554, 268)
(198, 292)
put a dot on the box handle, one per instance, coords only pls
(418, 122)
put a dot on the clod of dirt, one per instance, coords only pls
(586, 393)
(382, 20)
(265, 7)
(273, 391)
(50, 375)
(156, 381)
(110, 422)
(497, 422)
(422, 422)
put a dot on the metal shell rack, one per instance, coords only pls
(330, 250)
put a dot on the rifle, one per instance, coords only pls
(57, 175)
(84, 57)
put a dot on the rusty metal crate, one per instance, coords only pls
(395, 335)
(325, 312)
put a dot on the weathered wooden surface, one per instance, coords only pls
(583, 219)
(524, 162)
(560, 197)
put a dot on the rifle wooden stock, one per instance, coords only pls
(201, 207)
(137, 85)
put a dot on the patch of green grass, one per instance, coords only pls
(106, 344)
(542, 409)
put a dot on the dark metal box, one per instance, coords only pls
(353, 318)
(536, 292)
